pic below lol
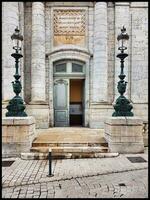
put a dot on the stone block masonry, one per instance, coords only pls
(124, 134)
(17, 135)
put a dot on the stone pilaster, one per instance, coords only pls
(38, 53)
(10, 19)
(100, 67)
(139, 53)
(122, 18)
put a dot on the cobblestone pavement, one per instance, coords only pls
(132, 184)
(97, 177)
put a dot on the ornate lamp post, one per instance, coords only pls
(16, 106)
(122, 106)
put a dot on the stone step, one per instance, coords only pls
(68, 152)
(44, 156)
(70, 135)
(71, 143)
(70, 149)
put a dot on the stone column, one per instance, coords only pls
(38, 53)
(100, 66)
(10, 19)
(122, 17)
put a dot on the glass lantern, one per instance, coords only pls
(122, 40)
(17, 39)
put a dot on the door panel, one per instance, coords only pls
(61, 103)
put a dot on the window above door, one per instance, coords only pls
(69, 68)
(60, 68)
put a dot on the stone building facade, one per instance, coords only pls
(69, 70)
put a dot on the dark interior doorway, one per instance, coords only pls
(76, 102)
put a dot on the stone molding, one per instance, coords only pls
(122, 3)
(139, 4)
(63, 49)
(18, 120)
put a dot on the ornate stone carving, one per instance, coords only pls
(69, 26)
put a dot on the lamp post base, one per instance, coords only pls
(16, 108)
(122, 107)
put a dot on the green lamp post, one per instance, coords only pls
(122, 106)
(16, 106)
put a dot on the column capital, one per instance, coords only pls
(101, 2)
(122, 3)
(38, 2)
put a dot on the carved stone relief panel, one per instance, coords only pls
(69, 26)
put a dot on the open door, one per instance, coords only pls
(76, 102)
(61, 102)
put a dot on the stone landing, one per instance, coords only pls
(70, 142)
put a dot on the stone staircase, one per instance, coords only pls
(69, 142)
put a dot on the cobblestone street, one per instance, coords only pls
(97, 177)
(132, 184)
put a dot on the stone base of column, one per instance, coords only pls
(17, 135)
(38, 103)
(124, 134)
(41, 113)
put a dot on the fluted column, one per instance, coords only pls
(100, 67)
(38, 53)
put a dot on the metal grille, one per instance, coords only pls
(136, 159)
(7, 163)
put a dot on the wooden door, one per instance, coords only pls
(61, 102)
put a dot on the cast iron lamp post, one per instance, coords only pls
(122, 106)
(16, 106)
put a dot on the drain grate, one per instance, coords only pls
(7, 163)
(136, 159)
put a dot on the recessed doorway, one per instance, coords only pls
(69, 80)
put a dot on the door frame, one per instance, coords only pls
(66, 54)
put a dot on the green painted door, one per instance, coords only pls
(61, 102)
